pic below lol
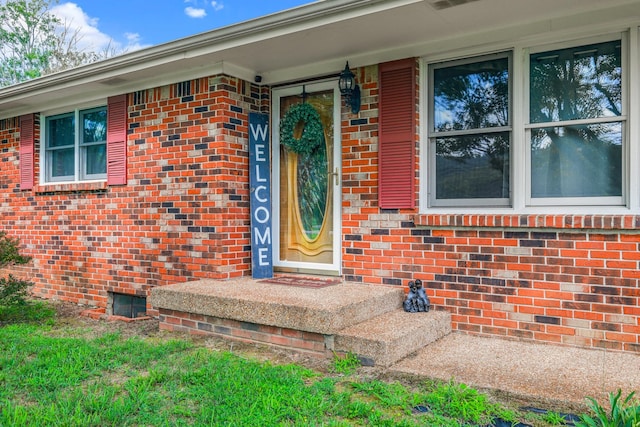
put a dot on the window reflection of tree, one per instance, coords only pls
(95, 126)
(576, 84)
(60, 145)
(94, 138)
(312, 189)
(470, 100)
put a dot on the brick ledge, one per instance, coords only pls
(71, 187)
(577, 222)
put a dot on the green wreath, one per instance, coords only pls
(312, 134)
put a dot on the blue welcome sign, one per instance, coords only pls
(260, 201)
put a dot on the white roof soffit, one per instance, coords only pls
(310, 40)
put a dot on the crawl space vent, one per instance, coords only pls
(129, 306)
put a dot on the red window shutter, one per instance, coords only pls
(117, 140)
(396, 137)
(27, 142)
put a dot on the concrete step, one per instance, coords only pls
(385, 339)
(324, 310)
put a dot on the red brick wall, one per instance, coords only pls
(183, 214)
(374, 249)
(570, 279)
(198, 324)
(575, 284)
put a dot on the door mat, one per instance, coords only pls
(303, 282)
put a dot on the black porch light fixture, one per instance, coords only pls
(350, 89)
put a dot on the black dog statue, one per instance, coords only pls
(417, 299)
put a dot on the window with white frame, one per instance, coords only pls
(76, 146)
(570, 144)
(576, 130)
(470, 132)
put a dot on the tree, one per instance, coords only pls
(13, 291)
(34, 42)
(27, 39)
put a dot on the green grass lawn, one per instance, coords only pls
(52, 374)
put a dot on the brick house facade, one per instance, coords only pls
(556, 273)
(181, 216)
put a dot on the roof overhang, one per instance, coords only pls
(314, 40)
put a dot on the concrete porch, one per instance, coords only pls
(369, 321)
(346, 317)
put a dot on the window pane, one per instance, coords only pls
(96, 159)
(473, 167)
(62, 162)
(94, 126)
(61, 131)
(471, 96)
(579, 83)
(577, 161)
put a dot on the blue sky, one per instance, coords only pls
(134, 24)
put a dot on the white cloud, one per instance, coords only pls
(193, 12)
(133, 42)
(90, 38)
(216, 5)
(132, 37)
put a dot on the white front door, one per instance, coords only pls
(306, 178)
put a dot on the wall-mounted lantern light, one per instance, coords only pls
(349, 89)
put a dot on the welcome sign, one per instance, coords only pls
(260, 193)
